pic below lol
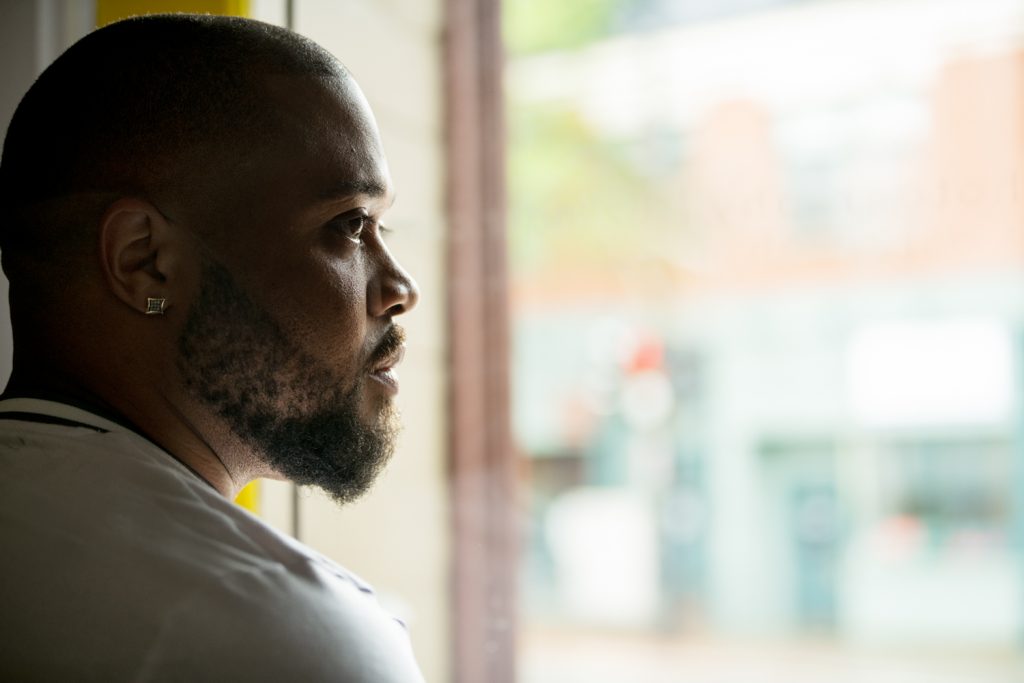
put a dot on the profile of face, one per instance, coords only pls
(291, 340)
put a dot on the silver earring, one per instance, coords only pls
(156, 305)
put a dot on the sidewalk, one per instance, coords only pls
(563, 656)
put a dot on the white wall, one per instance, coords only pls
(32, 34)
(17, 54)
(398, 537)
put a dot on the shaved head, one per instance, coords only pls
(163, 106)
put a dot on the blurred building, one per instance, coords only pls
(794, 408)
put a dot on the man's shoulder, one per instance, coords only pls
(287, 623)
(71, 497)
(136, 566)
(79, 492)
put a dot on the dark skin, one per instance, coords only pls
(297, 226)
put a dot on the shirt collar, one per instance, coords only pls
(62, 410)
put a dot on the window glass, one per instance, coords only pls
(766, 266)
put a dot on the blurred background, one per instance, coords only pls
(746, 406)
(766, 275)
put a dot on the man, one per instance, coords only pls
(190, 219)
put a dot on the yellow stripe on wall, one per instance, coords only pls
(109, 11)
(249, 497)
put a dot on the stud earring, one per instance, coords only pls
(156, 305)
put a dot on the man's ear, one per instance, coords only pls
(140, 251)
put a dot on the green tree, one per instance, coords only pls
(533, 26)
(576, 199)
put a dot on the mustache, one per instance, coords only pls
(390, 342)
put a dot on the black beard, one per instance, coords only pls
(278, 399)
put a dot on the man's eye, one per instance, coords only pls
(352, 226)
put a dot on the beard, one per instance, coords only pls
(289, 407)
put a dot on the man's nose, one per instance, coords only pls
(393, 291)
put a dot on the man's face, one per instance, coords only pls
(290, 340)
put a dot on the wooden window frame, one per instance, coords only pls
(482, 464)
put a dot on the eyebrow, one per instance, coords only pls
(352, 188)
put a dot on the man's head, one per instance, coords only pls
(235, 169)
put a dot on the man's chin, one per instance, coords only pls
(347, 467)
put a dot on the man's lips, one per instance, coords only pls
(390, 354)
(389, 361)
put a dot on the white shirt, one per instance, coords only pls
(119, 564)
